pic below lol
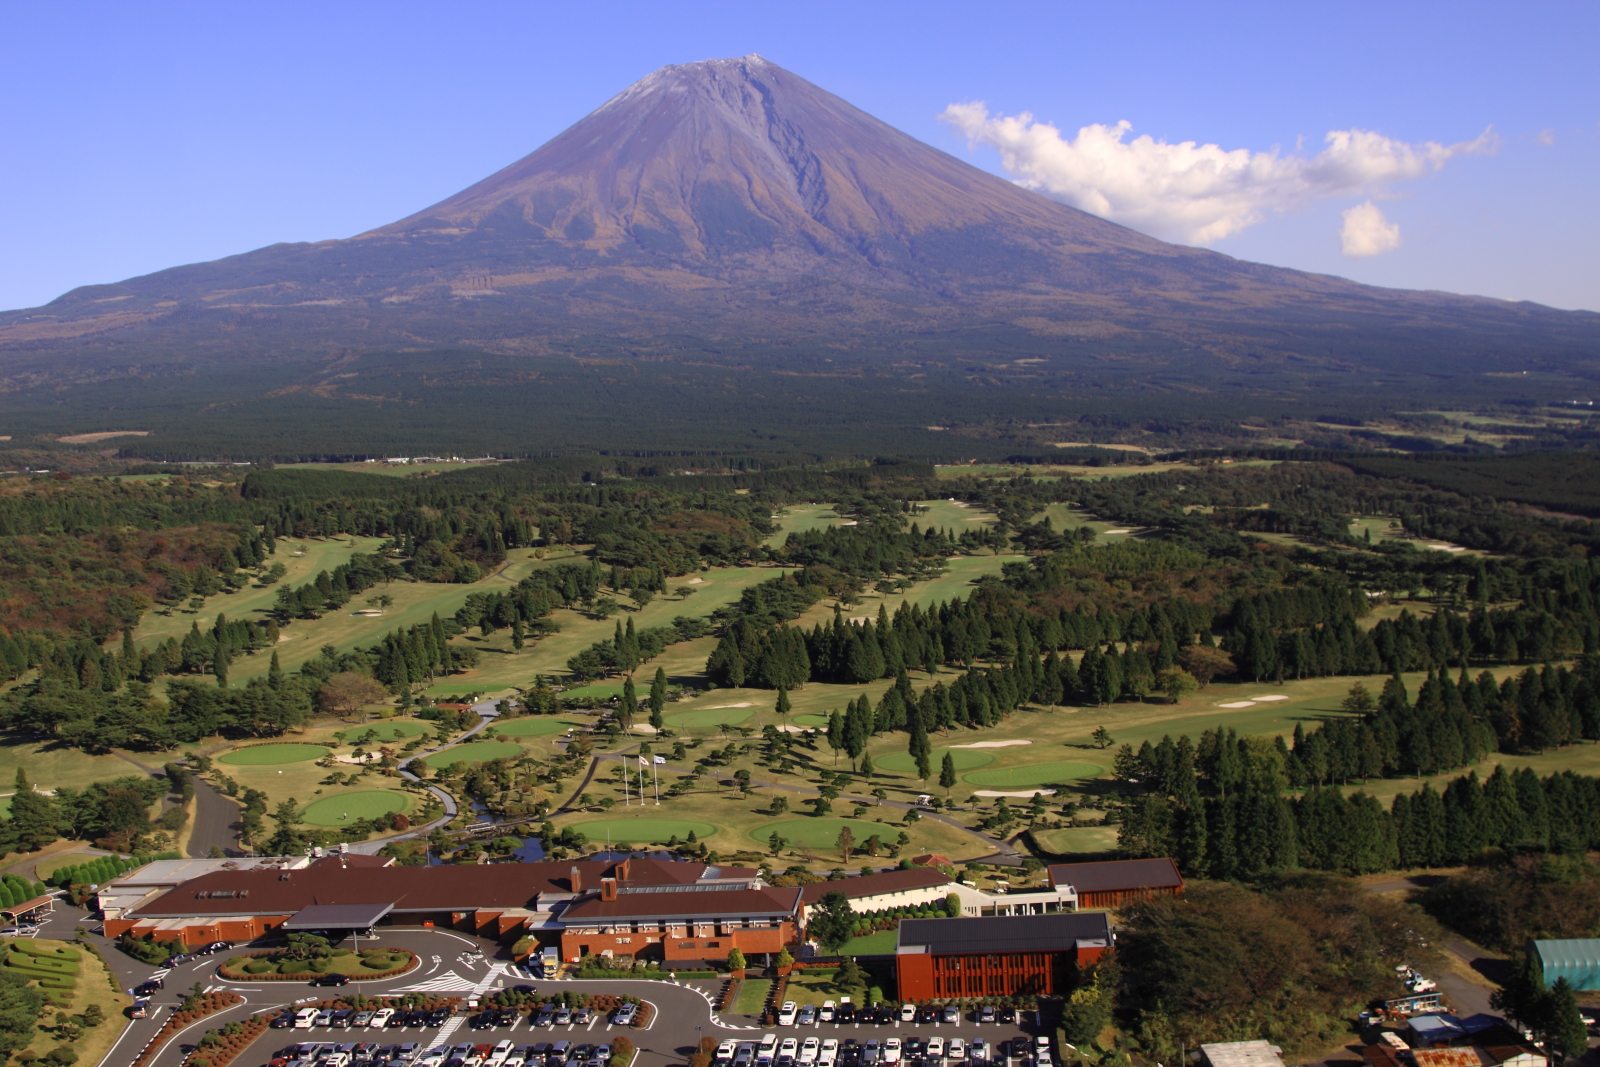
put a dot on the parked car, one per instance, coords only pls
(829, 1054)
(437, 1017)
(725, 1052)
(935, 1049)
(986, 1014)
(883, 1014)
(341, 1019)
(908, 1013)
(746, 1055)
(380, 1018)
(830, 1011)
(1008, 1015)
(481, 1021)
(891, 1050)
(952, 1014)
(956, 1051)
(846, 1013)
(325, 1017)
(625, 1015)
(807, 1016)
(871, 1054)
(978, 1051)
(546, 1015)
(787, 1013)
(582, 1017)
(563, 1017)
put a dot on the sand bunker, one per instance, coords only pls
(91, 438)
(992, 744)
(1118, 531)
(1238, 704)
(792, 729)
(1014, 793)
(719, 707)
(696, 581)
(1268, 700)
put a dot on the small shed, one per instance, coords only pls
(1577, 959)
(1424, 1031)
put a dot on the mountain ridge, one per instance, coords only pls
(729, 211)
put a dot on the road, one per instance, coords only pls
(216, 822)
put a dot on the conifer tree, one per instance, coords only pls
(629, 707)
(947, 773)
(658, 698)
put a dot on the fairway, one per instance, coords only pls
(1078, 839)
(711, 717)
(1033, 774)
(474, 752)
(268, 755)
(965, 759)
(598, 691)
(332, 811)
(819, 721)
(387, 731)
(822, 833)
(646, 829)
(532, 727)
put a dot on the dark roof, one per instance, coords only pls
(1111, 875)
(1056, 932)
(337, 916)
(870, 885)
(668, 905)
(453, 887)
(354, 859)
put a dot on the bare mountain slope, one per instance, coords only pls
(730, 204)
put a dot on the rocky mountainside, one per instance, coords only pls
(730, 211)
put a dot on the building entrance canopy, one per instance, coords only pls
(337, 916)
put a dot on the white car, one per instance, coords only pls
(935, 1049)
(1041, 1046)
(790, 1047)
(809, 1050)
(434, 1057)
(829, 1054)
(380, 1018)
(908, 1013)
(787, 1013)
(829, 1011)
(768, 1045)
(957, 1050)
(501, 1051)
(725, 1051)
(891, 1050)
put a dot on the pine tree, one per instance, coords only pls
(836, 734)
(658, 698)
(219, 666)
(629, 707)
(34, 819)
(947, 773)
(1564, 1023)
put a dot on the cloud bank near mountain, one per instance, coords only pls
(1201, 193)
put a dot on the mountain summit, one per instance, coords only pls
(730, 210)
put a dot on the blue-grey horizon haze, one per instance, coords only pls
(141, 136)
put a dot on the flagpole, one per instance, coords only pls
(624, 782)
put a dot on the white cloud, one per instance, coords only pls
(1366, 232)
(1193, 192)
(1546, 137)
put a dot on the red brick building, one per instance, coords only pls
(681, 924)
(1111, 883)
(997, 956)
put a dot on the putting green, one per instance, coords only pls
(475, 752)
(711, 717)
(267, 755)
(644, 830)
(599, 692)
(537, 726)
(330, 811)
(1033, 774)
(387, 731)
(810, 720)
(823, 833)
(966, 759)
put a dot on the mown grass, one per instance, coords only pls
(348, 807)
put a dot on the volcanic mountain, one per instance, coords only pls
(731, 211)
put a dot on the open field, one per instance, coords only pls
(535, 726)
(644, 828)
(1033, 774)
(475, 752)
(94, 985)
(800, 518)
(1078, 839)
(965, 759)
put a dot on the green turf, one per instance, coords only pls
(645, 830)
(1032, 774)
(966, 759)
(267, 755)
(532, 727)
(387, 731)
(1078, 839)
(822, 833)
(809, 720)
(598, 691)
(361, 805)
(711, 717)
(753, 996)
(882, 943)
(475, 752)
(455, 690)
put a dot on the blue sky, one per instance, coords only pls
(143, 135)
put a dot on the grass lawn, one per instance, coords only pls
(646, 829)
(598, 691)
(534, 726)
(1078, 839)
(363, 804)
(475, 752)
(272, 755)
(801, 518)
(349, 963)
(965, 759)
(51, 766)
(821, 833)
(711, 716)
(1033, 774)
(753, 996)
(93, 986)
(881, 943)
(389, 731)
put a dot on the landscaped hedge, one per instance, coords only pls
(207, 1004)
(101, 870)
(244, 973)
(217, 1048)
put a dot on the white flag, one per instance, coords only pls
(661, 761)
(643, 762)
